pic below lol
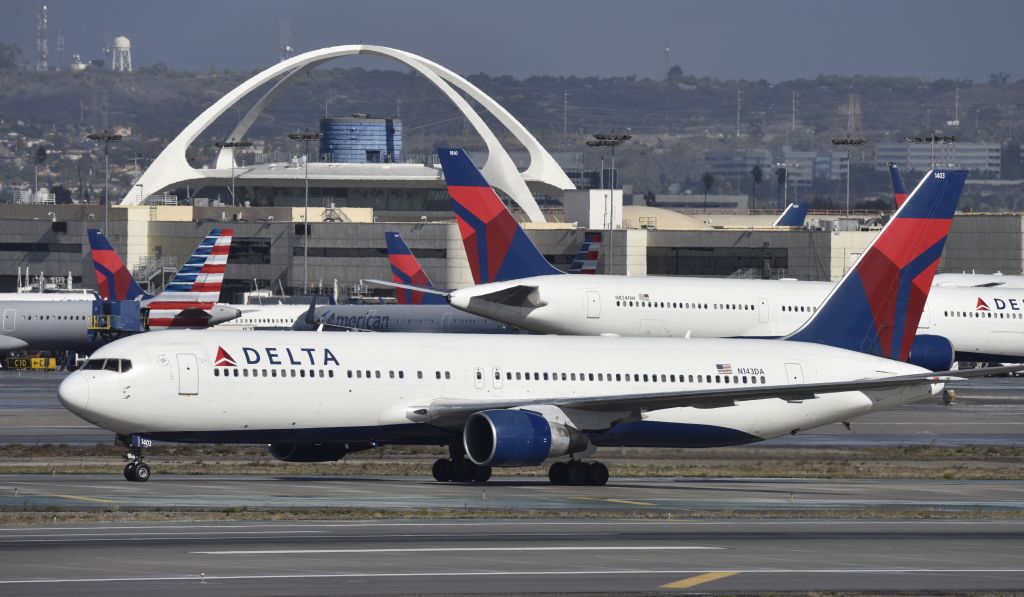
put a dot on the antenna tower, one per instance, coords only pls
(42, 62)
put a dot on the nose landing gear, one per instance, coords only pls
(136, 470)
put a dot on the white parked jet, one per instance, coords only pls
(520, 288)
(500, 400)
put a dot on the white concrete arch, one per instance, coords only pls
(170, 168)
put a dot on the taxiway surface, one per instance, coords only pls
(499, 556)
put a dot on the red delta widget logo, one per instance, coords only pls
(270, 355)
(999, 304)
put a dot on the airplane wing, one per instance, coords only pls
(714, 398)
(389, 284)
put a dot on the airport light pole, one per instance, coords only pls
(107, 138)
(233, 144)
(305, 137)
(612, 140)
(848, 141)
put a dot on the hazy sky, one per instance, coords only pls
(727, 39)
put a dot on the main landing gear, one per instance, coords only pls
(575, 472)
(459, 469)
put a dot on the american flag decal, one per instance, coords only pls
(643, 297)
(725, 369)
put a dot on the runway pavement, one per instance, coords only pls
(216, 492)
(989, 412)
(510, 556)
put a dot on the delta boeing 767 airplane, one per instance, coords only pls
(498, 400)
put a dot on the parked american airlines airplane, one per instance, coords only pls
(519, 400)
(416, 311)
(794, 216)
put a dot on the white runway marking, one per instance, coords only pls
(213, 577)
(453, 549)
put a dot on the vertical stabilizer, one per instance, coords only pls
(406, 269)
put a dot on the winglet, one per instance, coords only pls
(585, 261)
(115, 282)
(497, 248)
(877, 305)
(899, 189)
(406, 269)
(794, 215)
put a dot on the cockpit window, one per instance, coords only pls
(115, 365)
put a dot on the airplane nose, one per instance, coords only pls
(74, 393)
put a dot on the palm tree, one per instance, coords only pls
(708, 181)
(780, 174)
(758, 176)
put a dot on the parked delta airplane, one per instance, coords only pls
(519, 400)
(542, 302)
(67, 325)
(956, 279)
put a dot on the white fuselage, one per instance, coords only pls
(728, 308)
(316, 387)
(263, 317)
(994, 280)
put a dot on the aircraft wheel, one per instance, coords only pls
(129, 471)
(576, 473)
(462, 471)
(442, 470)
(557, 473)
(141, 473)
(597, 473)
(481, 473)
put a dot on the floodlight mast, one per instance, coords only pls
(612, 140)
(305, 137)
(107, 138)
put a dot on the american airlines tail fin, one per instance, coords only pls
(497, 248)
(877, 305)
(406, 269)
(794, 215)
(585, 261)
(115, 282)
(196, 286)
(899, 189)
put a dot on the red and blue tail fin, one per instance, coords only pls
(496, 246)
(585, 261)
(794, 215)
(406, 269)
(115, 282)
(899, 189)
(877, 305)
(196, 286)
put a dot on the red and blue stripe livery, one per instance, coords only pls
(114, 281)
(406, 269)
(497, 248)
(877, 305)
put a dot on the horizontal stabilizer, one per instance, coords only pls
(522, 296)
(388, 284)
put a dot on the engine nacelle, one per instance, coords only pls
(518, 438)
(308, 452)
(932, 352)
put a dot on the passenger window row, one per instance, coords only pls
(798, 309)
(685, 305)
(982, 315)
(57, 317)
(244, 372)
(632, 377)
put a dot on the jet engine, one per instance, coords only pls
(518, 438)
(308, 452)
(932, 352)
